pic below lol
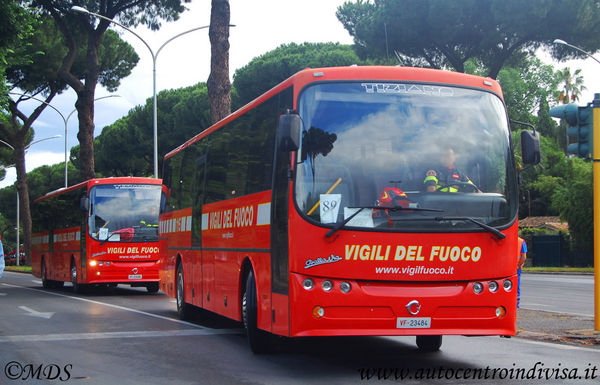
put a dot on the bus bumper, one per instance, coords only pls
(402, 308)
(123, 272)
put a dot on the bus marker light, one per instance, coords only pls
(507, 284)
(318, 312)
(327, 285)
(107, 263)
(308, 284)
(345, 287)
(500, 312)
(493, 286)
(477, 287)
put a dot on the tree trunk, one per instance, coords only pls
(219, 86)
(85, 113)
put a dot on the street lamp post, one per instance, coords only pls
(18, 255)
(596, 172)
(65, 121)
(154, 57)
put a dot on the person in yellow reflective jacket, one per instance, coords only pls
(447, 178)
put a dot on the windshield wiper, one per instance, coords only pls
(360, 208)
(492, 230)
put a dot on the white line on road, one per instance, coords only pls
(35, 313)
(103, 335)
(110, 305)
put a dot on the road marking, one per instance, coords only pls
(532, 306)
(35, 313)
(3, 294)
(105, 335)
(556, 345)
(111, 305)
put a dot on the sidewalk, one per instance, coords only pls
(556, 327)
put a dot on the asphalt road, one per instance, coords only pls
(127, 336)
(559, 293)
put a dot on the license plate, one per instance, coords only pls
(135, 276)
(413, 323)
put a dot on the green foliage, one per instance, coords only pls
(126, 147)
(562, 186)
(447, 33)
(16, 24)
(270, 69)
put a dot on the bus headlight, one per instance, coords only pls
(507, 285)
(345, 287)
(477, 287)
(308, 284)
(493, 286)
(327, 285)
(93, 263)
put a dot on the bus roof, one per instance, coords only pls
(99, 181)
(364, 73)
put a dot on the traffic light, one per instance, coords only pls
(580, 126)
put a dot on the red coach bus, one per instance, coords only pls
(307, 211)
(101, 231)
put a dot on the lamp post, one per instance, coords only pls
(154, 57)
(65, 121)
(18, 255)
(596, 172)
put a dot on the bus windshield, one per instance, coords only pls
(124, 212)
(408, 156)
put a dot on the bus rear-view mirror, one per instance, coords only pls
(530, 147)
(289, 132)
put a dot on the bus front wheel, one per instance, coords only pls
(77, 287)
(183, 309)
(259, 340)
(429, 343)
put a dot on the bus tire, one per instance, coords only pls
(259, 340)
(152, 287)
(183, 309)
(429, 343)
(46, 283)
(77, 287)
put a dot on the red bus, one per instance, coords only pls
(100, 232)
(306, 212)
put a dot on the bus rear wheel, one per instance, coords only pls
(429, 343)
(260, 341)
(46, 283)
(183, 309)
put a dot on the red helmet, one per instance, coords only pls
(393, 197)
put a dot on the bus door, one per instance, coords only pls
(202, 270)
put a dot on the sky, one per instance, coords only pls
(260, 26)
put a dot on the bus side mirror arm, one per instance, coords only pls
(289, 132)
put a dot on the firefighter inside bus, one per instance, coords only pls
(446, 177)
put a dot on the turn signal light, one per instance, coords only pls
(500, 312)
(318, 312)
